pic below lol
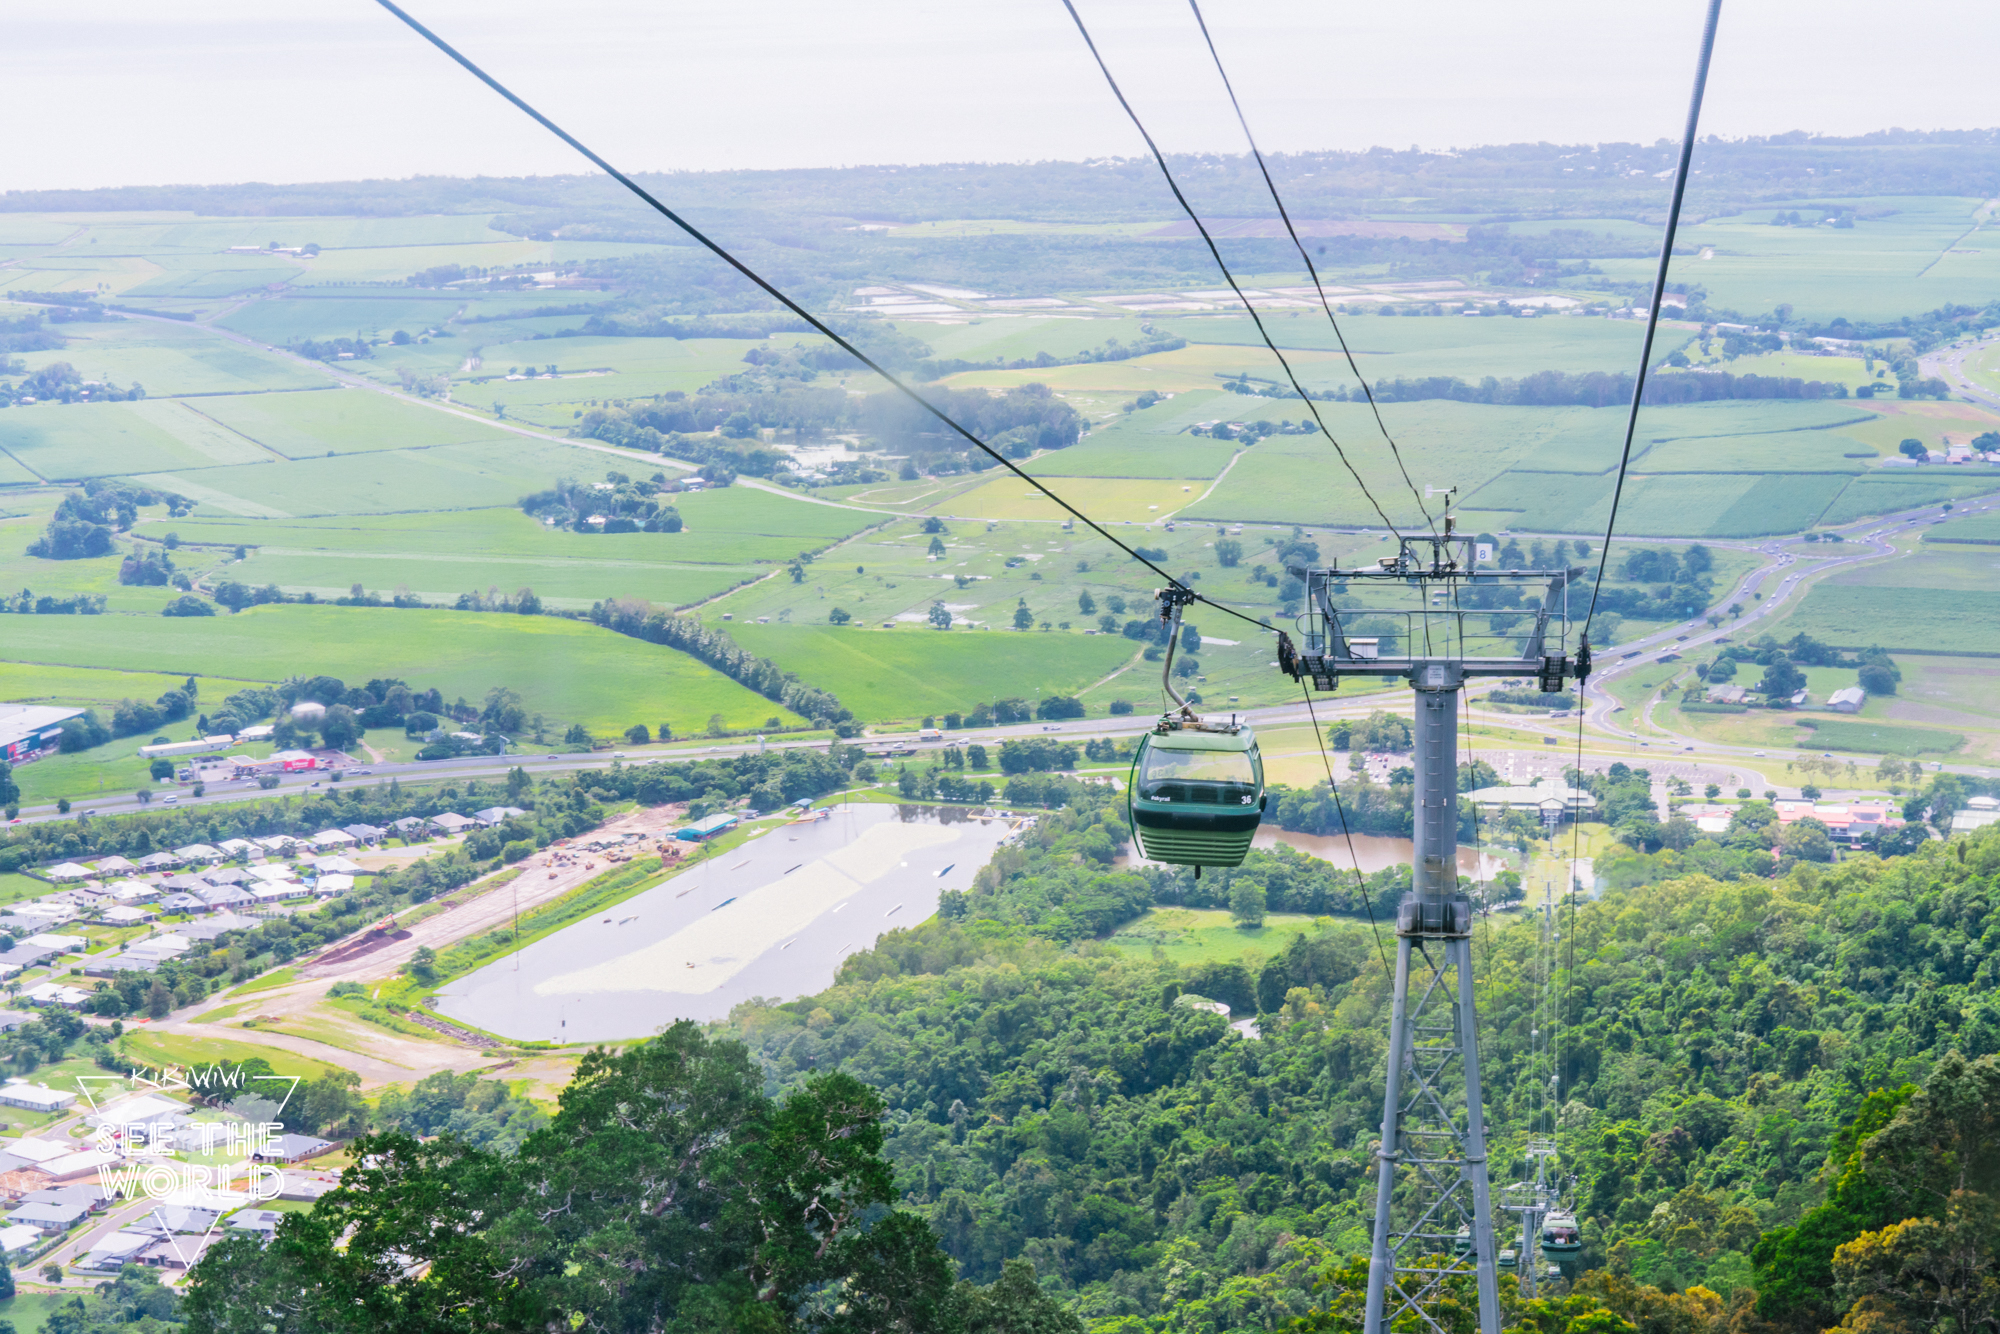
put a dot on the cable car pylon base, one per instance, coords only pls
(1458, 621)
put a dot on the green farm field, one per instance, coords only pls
(1389, 348)
(1974, 530)
(278, 321)
(347, 421)
(442, 477)
(737, 524)
(1926, 620)
(902, 675)
(170, 358)
(567, 670)
(733, 535)
(1881, 268)
(1871, 738)
(71, 442)
(1889, 492)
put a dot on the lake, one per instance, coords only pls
(772, 918)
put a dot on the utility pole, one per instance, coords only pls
(1450, 621)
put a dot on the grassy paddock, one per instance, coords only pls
(159, 1049)
(1206, 935)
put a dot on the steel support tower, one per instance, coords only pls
(1456, 620)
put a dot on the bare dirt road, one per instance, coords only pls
(478, 907)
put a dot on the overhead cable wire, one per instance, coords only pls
(1659, 293)
(1353, 857)
(1311, 269)
(722, 253)
(1625, 455)
(1227, 276)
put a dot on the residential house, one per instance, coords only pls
(129, 914)
(226, 896)
(49, 1217)
(115, 866)
(264, 1221)
(338, 866)
(49, 993)
(134, 891)
(93, 1198)
(109, 1254)
(168, 1219)
(328, 885)
(410, 826)
(18, 1237)
(68, 872)
(181, 903)
(367, 834)
(182, 884)
(292, 1149)
(159, 861)
(237, 847)
(329, 839)
(494, 815)
(267, 873)
(228, 875)
(82, 1165)
(176, 1252)
(198, 852)
(36, 1098)
(305, 1188)
(12, 1019)
(452, 823)
(216, 925)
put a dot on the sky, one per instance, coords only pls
(119, 92)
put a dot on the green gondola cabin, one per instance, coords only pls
(1196, 796)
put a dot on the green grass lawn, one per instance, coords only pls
(29, 1311)
(566, 670)
(1198, 935)
(14, 887)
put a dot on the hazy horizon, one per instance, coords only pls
(228, 92)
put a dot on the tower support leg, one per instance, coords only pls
(1433, 1125)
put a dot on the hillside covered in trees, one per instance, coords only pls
(1779, 1103)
